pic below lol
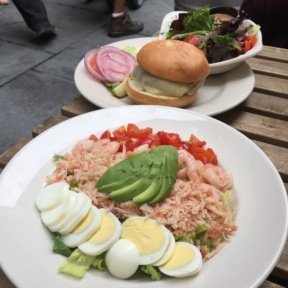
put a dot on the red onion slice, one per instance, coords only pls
(107, 64)
(114, 63)
(91, 65)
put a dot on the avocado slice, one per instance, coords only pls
(168, 181)
(118, 184)
(128, 192)
(141, 178)
(165, 189)
(133, 166)
(149, 193)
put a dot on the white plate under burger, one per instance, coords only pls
(218, 94)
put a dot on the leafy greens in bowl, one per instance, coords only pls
(226, 44)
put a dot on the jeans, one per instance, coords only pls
(33, 12)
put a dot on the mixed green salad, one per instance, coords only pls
(219, 40)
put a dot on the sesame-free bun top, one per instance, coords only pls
(174, 60)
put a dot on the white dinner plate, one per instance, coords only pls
(220, 92)
(245, 261)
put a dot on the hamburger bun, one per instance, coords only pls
(174, 61)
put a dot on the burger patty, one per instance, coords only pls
(156, 86)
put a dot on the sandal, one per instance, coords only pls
(4, 2)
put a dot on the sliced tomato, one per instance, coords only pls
(93, 137)
(195, 150)
(249, 43)
(191, 39)
(106, 134)
(94, 65)
(204, 155)
(132, 127)
(120, 133)
(132, 137)
(131, 145)
(194, 141)
(211, 156)
(170, 139)
(152, 140)
(201, 157)
(139, 133)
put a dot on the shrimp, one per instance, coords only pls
(107, 147)
(83, 146)
(217, 177)
(193, 168)
(212, 194)
(139, 149)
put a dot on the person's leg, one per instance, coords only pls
(121, 23)
(119, 6)
(34, 13)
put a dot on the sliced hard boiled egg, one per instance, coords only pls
(169, 251)
(185, 261)
(52, 195)
(108, 233)
(54, 216)
(83, 231)
(122, 259)
(78, 211)
(150, 238)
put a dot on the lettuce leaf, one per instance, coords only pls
(59, 247)
(99, 263)
(131, 49)
(226, 199)
(152, 271)
(77, 264)
(199, 20)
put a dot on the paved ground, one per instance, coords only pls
(36, 78)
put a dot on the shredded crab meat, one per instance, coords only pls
(194, 200)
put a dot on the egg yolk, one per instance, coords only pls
(85, 222)
(181, 257)
(106, 230)
(146, 234)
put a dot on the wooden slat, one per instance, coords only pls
(258, 127)
(281, 269)
(268, 105)
(274, 53)
(8, 154)
(4, 281)
(77, 106)
(268, 284)
(278, 156)
(269, 67)
(48, 123)
(271, 85)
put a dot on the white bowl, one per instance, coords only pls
(222, 66)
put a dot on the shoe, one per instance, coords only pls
(46, 31)
(123, 25)
(4, 2)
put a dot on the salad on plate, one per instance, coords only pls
(132, 199)
(220, 40)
